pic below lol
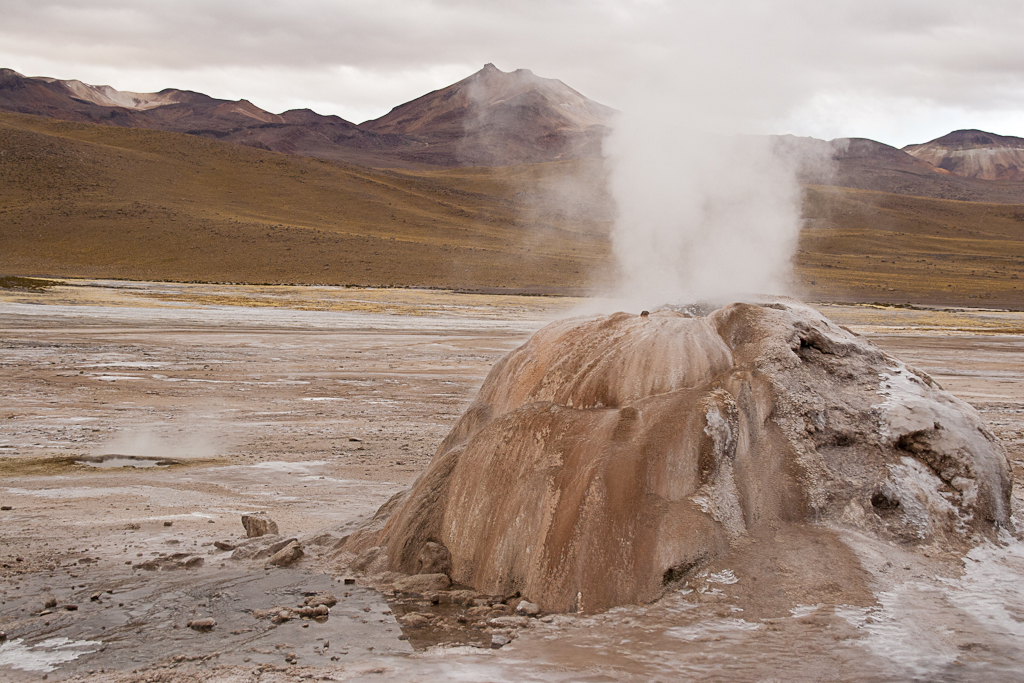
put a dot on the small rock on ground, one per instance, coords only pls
(206, 624)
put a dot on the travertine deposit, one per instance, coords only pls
(608, 457)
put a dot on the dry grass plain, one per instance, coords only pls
(859, 245)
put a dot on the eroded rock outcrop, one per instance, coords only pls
(607, 457)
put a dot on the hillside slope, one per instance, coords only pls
(80, 200)
(974, 154)
(863, 164)
(860, 245)
(96, 201)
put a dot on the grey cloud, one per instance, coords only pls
(754, 64)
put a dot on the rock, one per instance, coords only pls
(50, 603)
(96, 596)
(527, 607)
(509, 622)
(224, 545)
(205, 624)
(168, 523)
(260, 547)
(671, 439)
(71, 607)
(259, 525)
(414, 620)
(423, 583)
(498, 641)
(313, 611)
(274, 548)
(317, 599)
(462, 597)
(6, 507)
(192, 563)
(287, 555)
(434, 559)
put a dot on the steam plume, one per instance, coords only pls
(701, 216)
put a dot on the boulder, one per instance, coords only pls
(527, 607)
(423, 583)
(287, 555)
(259, 525)
(273, 548)
(260, 548)
(434, 559)
(610, 457)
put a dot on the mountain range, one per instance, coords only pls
(496, 118)
(491, 118)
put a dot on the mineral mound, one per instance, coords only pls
(607, 457)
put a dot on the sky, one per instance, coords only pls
(897, 71)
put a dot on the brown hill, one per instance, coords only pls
(974, 154)
(301, 131)
(864, 164)
(496, 118)
(82, 200)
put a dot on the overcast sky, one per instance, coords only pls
(898, 71)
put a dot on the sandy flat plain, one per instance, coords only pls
(316, 404)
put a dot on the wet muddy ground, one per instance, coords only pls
(317, 404)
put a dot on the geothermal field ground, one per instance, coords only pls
(141, 420)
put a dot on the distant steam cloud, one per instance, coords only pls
(701, 216)
(192, 441)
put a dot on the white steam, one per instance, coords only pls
(700, 216)
(191, 442)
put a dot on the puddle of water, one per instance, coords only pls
(122, 462)
(125, 461)
(144, 620)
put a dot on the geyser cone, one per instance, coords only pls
(607, 457)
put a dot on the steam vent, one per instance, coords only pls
(607, 457)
